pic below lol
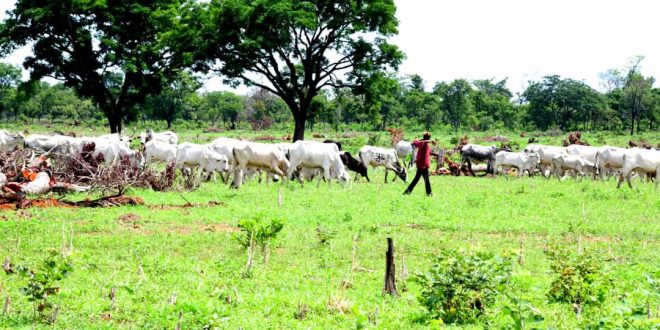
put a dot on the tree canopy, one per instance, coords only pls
(293, 49)
(111, 51)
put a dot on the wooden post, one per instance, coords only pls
(390, 270)
(5, 308)
(112, 298)
(521, 255)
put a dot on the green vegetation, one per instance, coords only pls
(170, 264)
(586, 252)
(308, 63)
(461, 286)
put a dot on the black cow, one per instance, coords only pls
(335, 142)
(353, 164)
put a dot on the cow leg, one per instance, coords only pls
(629, 179)
(657, 178)
(319, 178)
(469, 164)
(549, 170)
(395, 175)
(326, 176)
(228, 176)
(386, 174)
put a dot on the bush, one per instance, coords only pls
(460, 287)
(580, 280)
(42, 283)
(258, 231)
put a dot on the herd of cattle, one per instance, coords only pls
(579, 160)
(236, 160)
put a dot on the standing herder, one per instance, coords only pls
(423, 162)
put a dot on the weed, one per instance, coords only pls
(579, 278)
(42, 284)
(461, 286)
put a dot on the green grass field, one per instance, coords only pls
(152, 253)
(190, 251)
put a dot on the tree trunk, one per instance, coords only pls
(299, 130)
(632, 124)
(114, 120)
(169, 123)
(390, 270)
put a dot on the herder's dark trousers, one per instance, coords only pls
(420, 172)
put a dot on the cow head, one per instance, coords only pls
(535, 158)
(401, 172)
(220, 162)
(343, 177)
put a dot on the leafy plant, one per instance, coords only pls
(324, 235)
(460, 287)
(521, 312)
(42, 282)
(259, 231)
(580, 279)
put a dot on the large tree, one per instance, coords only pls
(456, 103)
(170, 103)
(293, 48)
(111, 51)
(224, 105)
(638, 99)
(562, 102)
(10, 78)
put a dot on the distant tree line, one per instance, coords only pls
(551, 103)
(309, 62)
(630, 103)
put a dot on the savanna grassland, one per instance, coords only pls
(170, 264)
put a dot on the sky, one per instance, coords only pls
(520, 40)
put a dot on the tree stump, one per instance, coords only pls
(390, 270)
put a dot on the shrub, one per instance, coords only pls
(579, 278)
(260, 231)
(42, 283)
(460, 287)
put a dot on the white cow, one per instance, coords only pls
(112, 149)
(546, 154)
(116, 137)
(609, 159)
(9, 142)
(225, 147)
(166, 137)
(522, 161)
(202, 156)
(577, 164)
(385, 157)
(317, 155)
(56, 144)
(532, 148)
(159, 151)
(645, 161)
(588, 152)
(267, 157)
(405, 148)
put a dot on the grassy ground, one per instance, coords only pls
(164, 250)
(150, 253)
